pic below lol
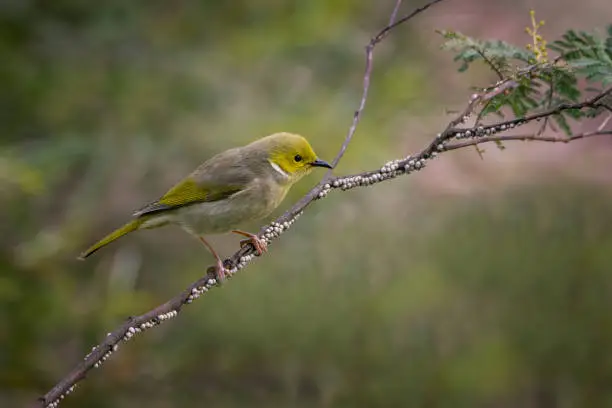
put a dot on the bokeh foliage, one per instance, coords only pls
(541, 81)
(485, 301)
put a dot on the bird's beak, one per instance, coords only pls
(321, 163)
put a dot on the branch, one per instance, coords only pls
(452, 138)
(171, 308)
(368, 73)
(528, 137)
(475, 135)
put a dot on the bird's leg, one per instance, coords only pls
(259, 244)
(221, 271)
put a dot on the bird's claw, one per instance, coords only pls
(221, 272)
(259, 244)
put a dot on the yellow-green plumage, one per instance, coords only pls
(116, 234)
(234, 187)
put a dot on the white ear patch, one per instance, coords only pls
(278, 169)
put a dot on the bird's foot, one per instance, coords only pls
(260, 245)
(221, 272)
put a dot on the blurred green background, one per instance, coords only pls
(475, 283)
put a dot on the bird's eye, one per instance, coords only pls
(297, 158)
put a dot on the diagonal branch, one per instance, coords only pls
(171, 308)
(452, 138)
(390, 170)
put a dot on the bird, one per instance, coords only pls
(234, 187)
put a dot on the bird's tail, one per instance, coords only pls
(116, 234)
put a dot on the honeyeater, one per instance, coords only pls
(232, 188)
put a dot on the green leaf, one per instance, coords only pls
(562, 122)
(586, 56)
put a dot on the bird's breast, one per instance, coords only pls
(253, 203)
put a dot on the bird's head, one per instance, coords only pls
(290, 155)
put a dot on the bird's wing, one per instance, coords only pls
(219, 178)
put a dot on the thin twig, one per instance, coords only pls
(368, 71)
(551, 92)
(594, 103)
(605, 122)
(527, 137)
(383, 33)
(398, 4)
(489, 63)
